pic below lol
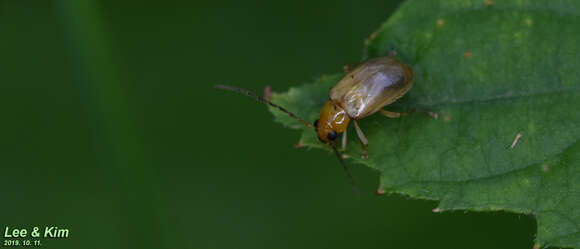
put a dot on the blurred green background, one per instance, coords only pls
(111, 128)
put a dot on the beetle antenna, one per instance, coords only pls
(339, 156)
(263, 100)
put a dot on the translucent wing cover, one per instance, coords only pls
(372, 85)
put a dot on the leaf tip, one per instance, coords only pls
(380, 191)
(440, 22)
(299, 145)
(268, 92)
(446, 118)
(467, 55)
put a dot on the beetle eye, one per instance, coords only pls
(332, 135)
(316, 123)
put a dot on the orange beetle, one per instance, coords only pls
(363, 91)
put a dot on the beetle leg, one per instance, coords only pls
(344, 141)
(393, 114)
(363, 140)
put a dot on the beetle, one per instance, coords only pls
(363, 91)
(360, 93)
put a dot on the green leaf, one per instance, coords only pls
(491, 70)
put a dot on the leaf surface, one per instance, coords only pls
(491, 70)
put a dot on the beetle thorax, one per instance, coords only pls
(332, 118)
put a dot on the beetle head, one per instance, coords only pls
(333, 120)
